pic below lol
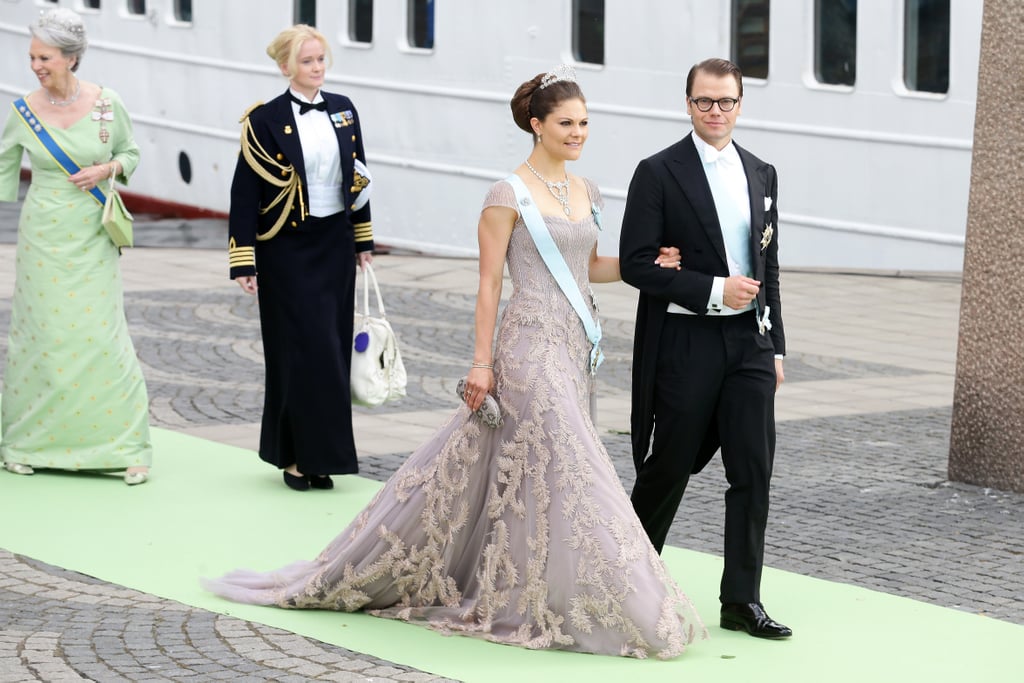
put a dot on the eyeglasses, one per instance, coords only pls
(724, 103)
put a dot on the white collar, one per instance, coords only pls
(302, 98)
(709, 154)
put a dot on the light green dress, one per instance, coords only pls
(73, 395)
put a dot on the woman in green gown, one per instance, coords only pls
(73, 395)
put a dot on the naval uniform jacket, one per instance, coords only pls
(670, 204)
(273, 126)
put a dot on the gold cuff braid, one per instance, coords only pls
(363, 232)
(240, 256)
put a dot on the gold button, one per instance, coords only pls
(284, 171)
(294, 224)
(353, 155)
(280, 156)
(353, 138)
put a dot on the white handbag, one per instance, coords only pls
(378, 374)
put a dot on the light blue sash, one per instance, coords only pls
(557, 265)
(51, 146)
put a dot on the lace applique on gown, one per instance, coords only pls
(521, 535)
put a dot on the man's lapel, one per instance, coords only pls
(757, 178)
(688, 170)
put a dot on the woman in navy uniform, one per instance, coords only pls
(299, 222)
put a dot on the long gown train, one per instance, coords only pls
(521, 535)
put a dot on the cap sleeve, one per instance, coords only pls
(595, 193)
(500, 194)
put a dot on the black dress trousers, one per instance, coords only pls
(715, 378)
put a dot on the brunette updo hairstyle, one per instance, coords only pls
(532, 101)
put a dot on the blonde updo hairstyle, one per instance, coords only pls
(284, 49)
(63, 29)
(532, 101)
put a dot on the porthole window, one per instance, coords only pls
(136, 7)
(185, 167)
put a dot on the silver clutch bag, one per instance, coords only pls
(488, 412)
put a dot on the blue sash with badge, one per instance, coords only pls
(46, 140)
(557, 265)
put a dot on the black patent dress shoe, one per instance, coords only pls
(752, 618)
(318, 481)
(295, 482)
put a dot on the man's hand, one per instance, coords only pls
(739, 291)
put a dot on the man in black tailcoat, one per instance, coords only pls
(709, 337)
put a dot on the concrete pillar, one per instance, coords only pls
(987, 439)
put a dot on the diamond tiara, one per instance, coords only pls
(562, 72)
(63, 19)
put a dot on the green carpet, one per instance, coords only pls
(209, 508)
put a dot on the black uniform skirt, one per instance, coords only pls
(306, 282)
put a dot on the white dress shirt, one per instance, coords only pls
(321, 156)
(730, 170)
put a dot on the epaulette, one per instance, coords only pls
(249, 111)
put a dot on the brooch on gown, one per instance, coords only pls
(103, 112)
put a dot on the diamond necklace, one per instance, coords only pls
(559, 191)
(69, 101)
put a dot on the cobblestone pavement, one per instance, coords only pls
(860, 491)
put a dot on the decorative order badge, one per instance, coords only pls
(342, 119)
(103, 112)
(766, 236)
(764, 323)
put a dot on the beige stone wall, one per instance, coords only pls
(987, 440)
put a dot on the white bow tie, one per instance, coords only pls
(712, 155)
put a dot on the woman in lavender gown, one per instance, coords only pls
(520, 534)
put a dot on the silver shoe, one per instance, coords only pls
(488, 412)
(18, 468)
(135, 478)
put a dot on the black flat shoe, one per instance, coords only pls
(752, 618)
(320, 481)
(294, 482)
